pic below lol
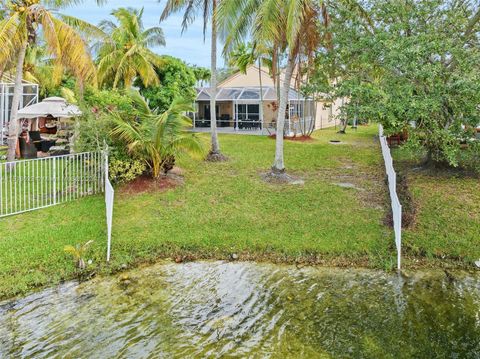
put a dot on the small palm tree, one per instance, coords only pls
(159, 139)
(25, 20)
(78, 253)
(127, 54)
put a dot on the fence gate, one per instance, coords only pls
(28, 185)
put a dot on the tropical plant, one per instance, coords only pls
(208, 9)
(202, 74)
(78, 253)
(241, 57)
(23, 22)
(177, 80)
(158, 139)
(127, 54)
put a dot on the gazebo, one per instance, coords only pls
(47, 127)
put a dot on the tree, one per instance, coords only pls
(202, 74)
(287, 27)
(19, 30)
(176, 80)
(127, 54)
(208, 8)
(417, 71)
(158, 139)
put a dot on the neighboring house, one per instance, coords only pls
(29, 97)
(239, 107)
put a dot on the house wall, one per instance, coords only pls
(250, 78)
(270, 112)
(326, 117)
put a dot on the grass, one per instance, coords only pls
(225, 208)
(447, 223)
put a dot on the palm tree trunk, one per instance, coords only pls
(17, 92)
(278, 164)
(261, 89)
(213, 83)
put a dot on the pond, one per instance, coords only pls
(220, 309)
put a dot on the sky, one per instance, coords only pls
(188, 46)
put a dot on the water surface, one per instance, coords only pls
(216, 309)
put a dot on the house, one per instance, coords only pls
(239, 105)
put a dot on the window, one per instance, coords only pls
(248, 116)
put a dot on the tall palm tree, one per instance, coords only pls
(281, 23)
(127, 54)
(208, 9)
(19, 29)
(158, 139)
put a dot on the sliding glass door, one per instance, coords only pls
(248, 116)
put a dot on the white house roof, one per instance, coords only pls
(53, 106)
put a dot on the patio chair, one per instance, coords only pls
(41, 144)
(27, 150)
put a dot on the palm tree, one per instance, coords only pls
(281, 23)
(208, 8)
(127, 54)
(202, 74)
(291, 28)
(158, 139)
(19, 29)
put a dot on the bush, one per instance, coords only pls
(123, 170)
(176, 80)
(107, 100)
(94, 129)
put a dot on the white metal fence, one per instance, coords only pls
(392, 186)
(38, 183)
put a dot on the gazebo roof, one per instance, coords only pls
(51, 106)
(245, 94)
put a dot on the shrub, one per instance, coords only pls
(123, 170)
(176, 80)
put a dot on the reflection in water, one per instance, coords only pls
(214, 309)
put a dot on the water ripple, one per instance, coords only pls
(217, 309)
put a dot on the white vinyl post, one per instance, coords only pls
(109, 196)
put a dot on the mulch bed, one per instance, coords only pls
(145, 184)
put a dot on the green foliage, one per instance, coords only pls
(417, 69)
(201, 74)
(95, 128)
(123, 170)
(103, 101)
(176, 80)
(78, 253)
(127, 54)
(158, 139)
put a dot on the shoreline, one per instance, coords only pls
(412, 264)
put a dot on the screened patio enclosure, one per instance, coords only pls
(241, 109)
(29, 97)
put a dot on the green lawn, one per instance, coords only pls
(447, 224)
(222, 208)
(225, 208)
